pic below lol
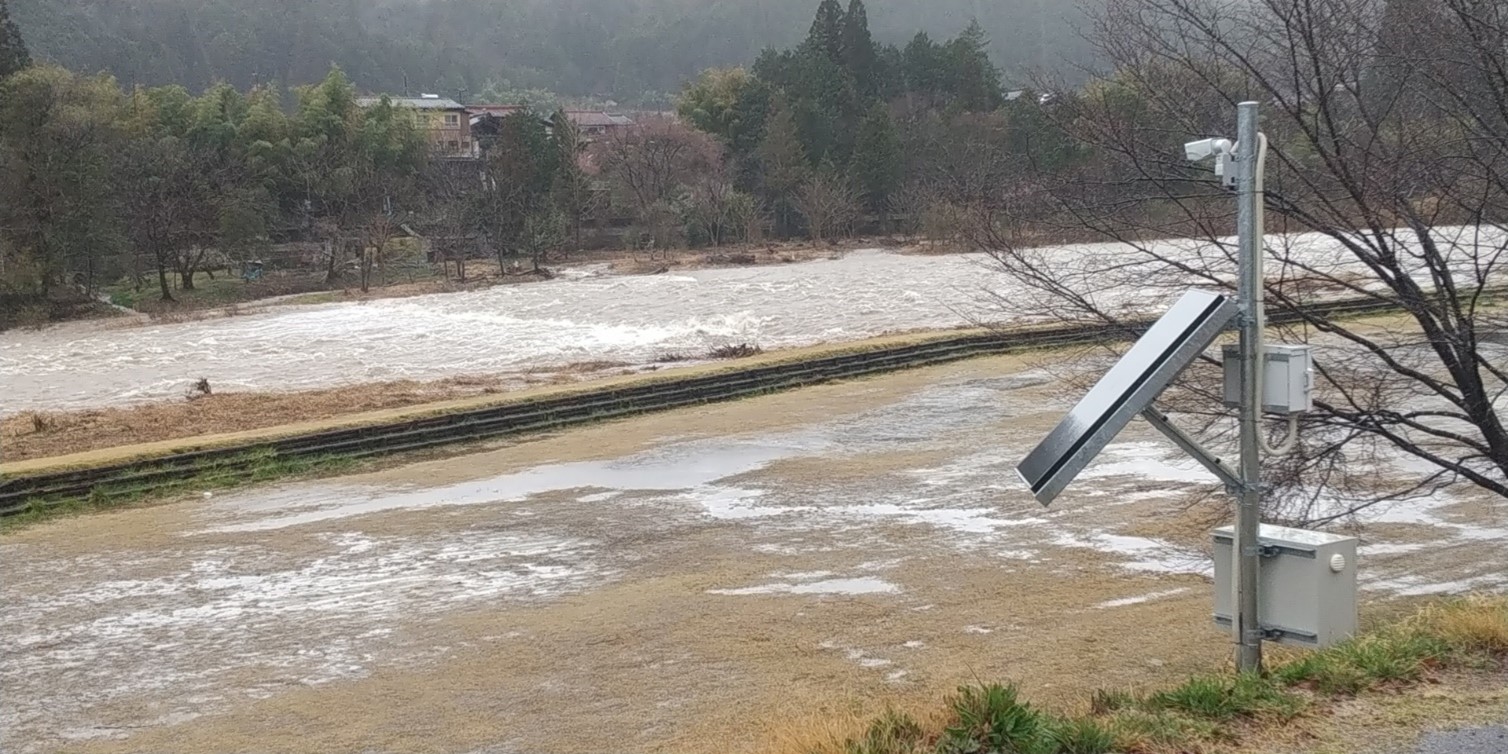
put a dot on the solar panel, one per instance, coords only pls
(1159, 355)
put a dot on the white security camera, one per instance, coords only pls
(1206, 148)
(1224, 152)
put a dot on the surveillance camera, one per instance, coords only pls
(1206, 148)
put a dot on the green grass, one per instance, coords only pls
(1209, 712)
(259, 466)
(992, 718)
(1394, 656)
(1221, 697)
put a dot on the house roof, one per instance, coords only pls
(595, 118)
(582, 118)
(418, 103)
(493, 109)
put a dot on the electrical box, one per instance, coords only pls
(1287, 380)
(1306, 593)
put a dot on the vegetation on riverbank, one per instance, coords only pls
(1220, 712)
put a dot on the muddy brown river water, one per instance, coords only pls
(688, 581)
(586, 315)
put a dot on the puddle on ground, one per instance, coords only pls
(695, 466)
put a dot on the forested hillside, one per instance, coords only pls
(628, 50)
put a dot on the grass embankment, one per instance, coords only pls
(321, 410)
(1222, 712)
(252, 466)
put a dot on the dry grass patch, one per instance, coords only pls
(1474, 624)
(39, 435)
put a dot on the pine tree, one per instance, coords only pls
(876, 163)
(858, 49)
(826, 35)
(920, 63)
(13, 53)
(972, 77)
(783, 163)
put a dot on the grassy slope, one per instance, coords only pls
(1290, 707)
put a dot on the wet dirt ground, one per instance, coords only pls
(689, 581)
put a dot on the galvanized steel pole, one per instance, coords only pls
(1246, 631)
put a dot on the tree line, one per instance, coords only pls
(635, 51)
(146, 183)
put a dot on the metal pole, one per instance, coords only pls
(1247, 633)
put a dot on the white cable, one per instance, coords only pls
(1292, 439)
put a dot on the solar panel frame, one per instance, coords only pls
(1168, 347)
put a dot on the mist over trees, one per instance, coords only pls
(628, 50)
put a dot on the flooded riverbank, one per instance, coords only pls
(670, 582)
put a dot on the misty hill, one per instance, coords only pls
(629, 50)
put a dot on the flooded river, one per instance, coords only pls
(582, 316)
(585, 315)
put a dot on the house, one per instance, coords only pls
(592, 124)
(447, 122)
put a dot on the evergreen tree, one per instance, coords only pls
(13, 53)
(859, 57)
(921, 64)
(826, 35)
(972, 77)
(876, 164)
(783, 163)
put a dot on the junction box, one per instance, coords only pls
(1287, 379)
(1306, 585)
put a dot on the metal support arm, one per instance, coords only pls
(1189, 445)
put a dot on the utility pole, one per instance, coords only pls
(1246, 551)
(1193, 323)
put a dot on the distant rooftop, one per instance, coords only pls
(422, 102)
(587, 118)
(582, 118)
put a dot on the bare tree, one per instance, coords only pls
(1387, 125)
(714, 211)
(166, 211)
(655, 157)
(829, 203)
